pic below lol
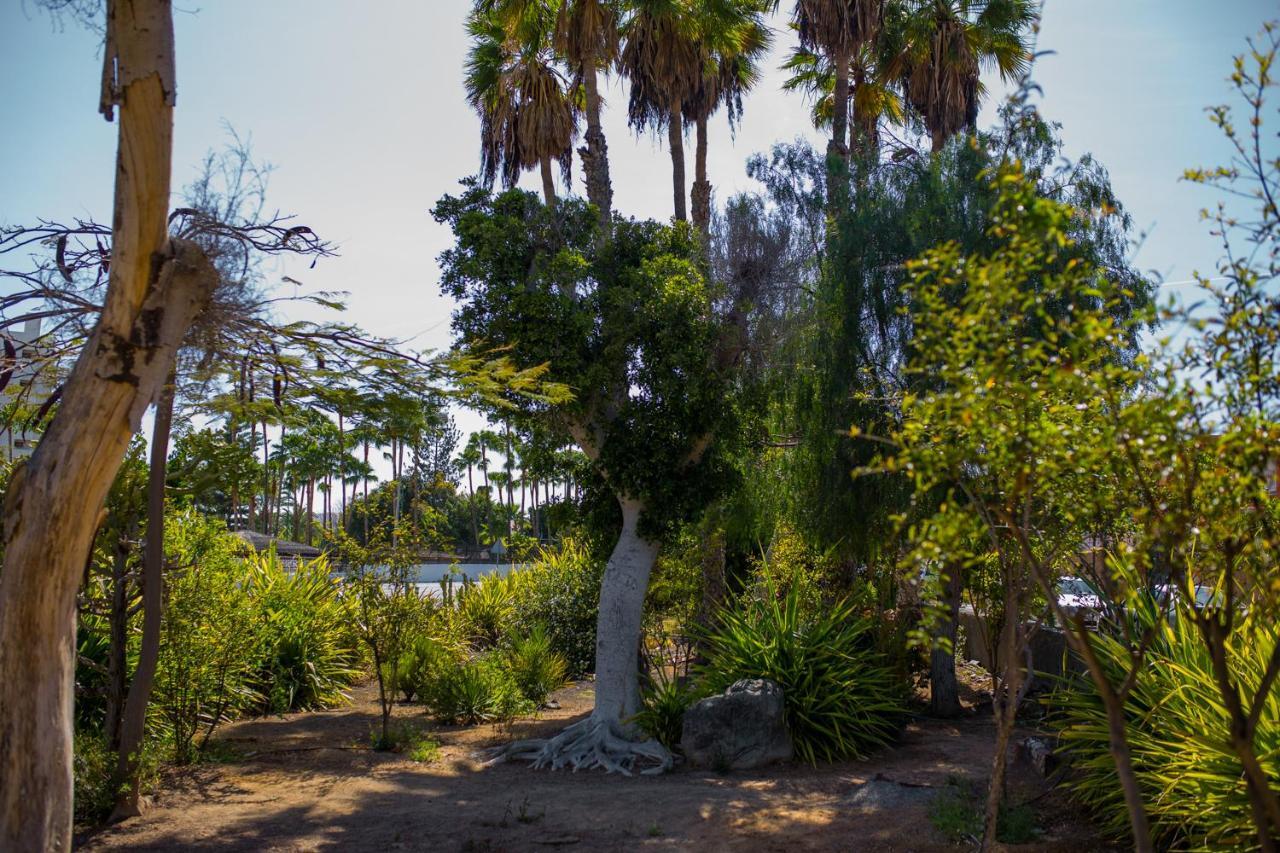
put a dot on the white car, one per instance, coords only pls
(1076, 596)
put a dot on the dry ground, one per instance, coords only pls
(308, 782)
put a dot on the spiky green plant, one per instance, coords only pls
(535, 666)
(1191, 778)
(475, 691)
(662, 706)
(841, 698)
(485, 608)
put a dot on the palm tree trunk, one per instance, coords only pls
(548, 182)
(133, 723)
(700, 195)
(840, 106)
(595, 154)
(939, 138)
(675, 141)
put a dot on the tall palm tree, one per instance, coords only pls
(527, 113)
(940, 48)
(837, 29)
(662, 57)
(732, 36)
(872, 99)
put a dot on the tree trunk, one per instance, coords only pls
(133, 724)
(626, 580)
(548, 182)
(840, 107)
(939, 138)
(153, 292)
(675, 141)
(595, 154)
(1004, 704)
(700, 194)
(117, 654)
(944, 695)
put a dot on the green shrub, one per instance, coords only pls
(475, 691)
(662, 706)
(208, 638)
(426, 658)
(841, 698)
(1191, 779)
(536, 668)
(560, 592)
(485, 608)
(791, 564)
(306, 654)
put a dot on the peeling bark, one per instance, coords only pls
(700, 193)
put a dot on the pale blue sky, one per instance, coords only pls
(360, 107)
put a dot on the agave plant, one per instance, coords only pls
(1192, 782)
(841, 698)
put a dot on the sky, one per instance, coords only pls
(360, 107)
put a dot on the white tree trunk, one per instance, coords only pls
(626, 579)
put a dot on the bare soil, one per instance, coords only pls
(309, 782)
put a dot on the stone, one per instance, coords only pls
(742, 728)
(1038, 754)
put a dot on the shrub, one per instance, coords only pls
(475, 691)
(841, 697)
(306, 654)
(208, 638)
(560, 592)
(791, 564)
(662, 706)
(485, 608)
(536, 668)
(1191, 779)
(426, 658)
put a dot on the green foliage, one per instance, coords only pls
(536, 668)
(418, 667)
(307, 655)
(205, 672)
(957, 813)
(485, 608)
(480, 690)
(792, 564)
(1178, 729)
(662, 705)
(560, 593)
(841, 698)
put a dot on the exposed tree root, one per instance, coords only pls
(588, 744)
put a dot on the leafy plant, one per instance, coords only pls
(841, 698)
(425, 659)
(560, 592)
(1191, 777)
(662, 706)
(485, 608)
(536, 668)
(475, 691)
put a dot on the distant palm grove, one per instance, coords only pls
(896, 448)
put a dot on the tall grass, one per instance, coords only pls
(1191, 779)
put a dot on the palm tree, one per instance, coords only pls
(732, 37)
(470, 457)
(663, 58)
(940, 48)
(872, 98)
(836, 30)
(527, 114)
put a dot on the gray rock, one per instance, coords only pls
(742, 728)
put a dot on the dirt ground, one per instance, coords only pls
(309, 782)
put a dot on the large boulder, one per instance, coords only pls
(743, 727)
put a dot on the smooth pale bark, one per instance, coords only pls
(626, 579)
(154, 290)
(944, 695)
(595, 154)
(675, 141)
(548, 182)
(133, 723)
(700, 194)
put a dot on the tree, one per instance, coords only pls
(939, 48)
(527, 115)
(156, 287)
(872, 97)
(732, 37)
(630, 323)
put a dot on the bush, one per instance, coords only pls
(485, 607)
(662, 706)
(306, 653)
(208, 637)
(426, 658)
(535, 667)
(1191, 779)
(560, 593)
(475, 691)
(841, 697)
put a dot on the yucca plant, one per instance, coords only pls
(1177, 727)
(662, 705)
(485, 608)
(426, 658)
(536, 668)
(474, 691)
(841, 698)
(306, 656)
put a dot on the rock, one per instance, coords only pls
(742, 728)
(885, 794)
(1039, 754)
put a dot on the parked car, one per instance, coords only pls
(1075, 596)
